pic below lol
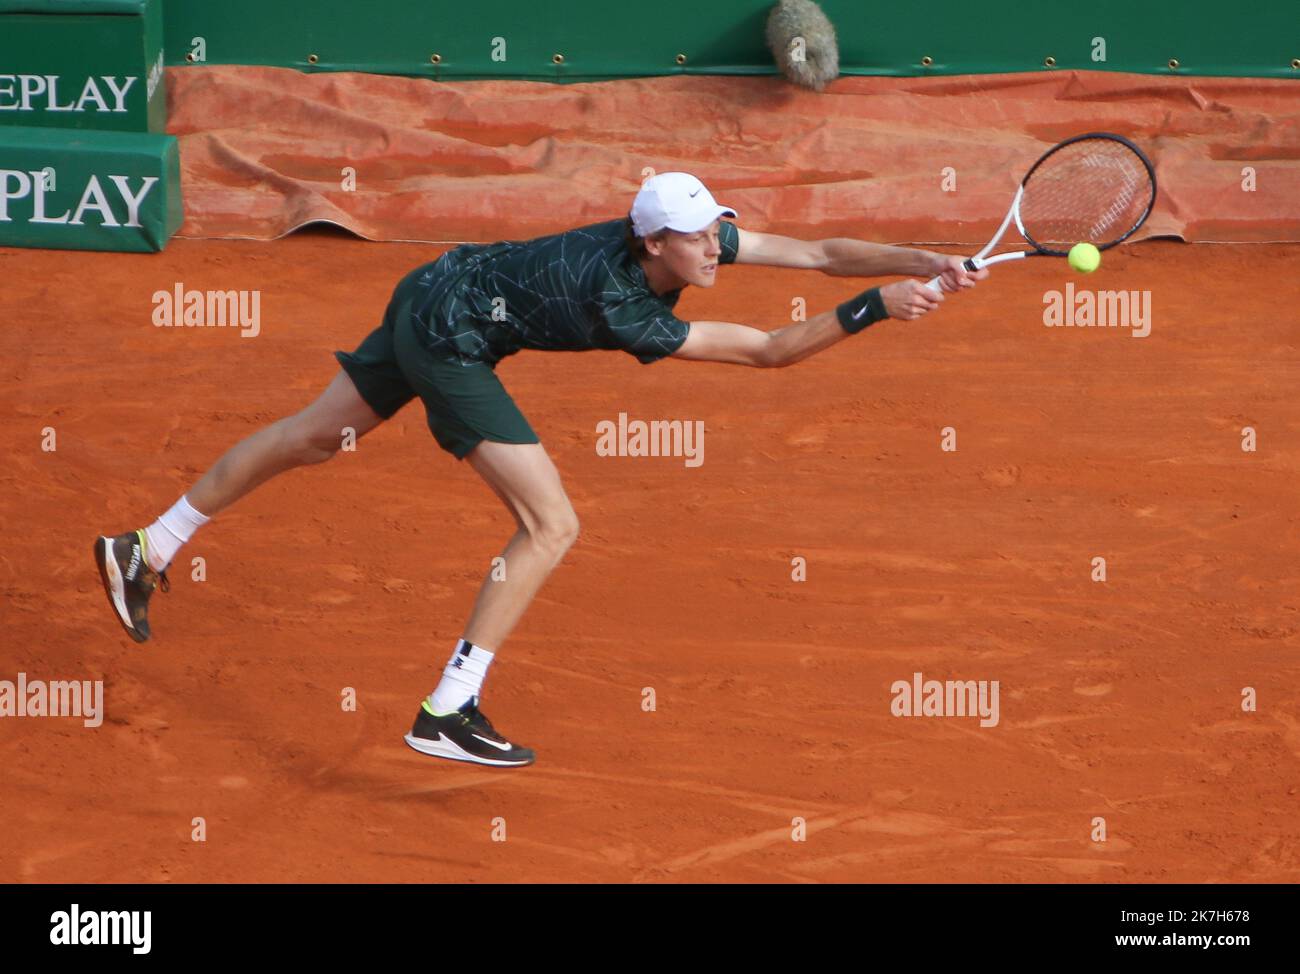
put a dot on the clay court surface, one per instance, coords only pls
(1119, 699)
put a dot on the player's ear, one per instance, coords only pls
(656, 242)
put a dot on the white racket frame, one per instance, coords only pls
(982, 259)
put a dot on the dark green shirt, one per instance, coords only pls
(570, 291)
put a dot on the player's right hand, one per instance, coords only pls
(907, 300)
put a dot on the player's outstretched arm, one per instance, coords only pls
(844, 257)
(723, 341)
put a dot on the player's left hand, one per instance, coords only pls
(952, 275)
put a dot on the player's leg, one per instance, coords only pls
(370, 389)
(133, 564)
(473, 417)
(526, 480)
(311, 436)
(449, 723)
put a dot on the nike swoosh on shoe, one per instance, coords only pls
(496, 744)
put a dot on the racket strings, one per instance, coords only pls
(1094, 190)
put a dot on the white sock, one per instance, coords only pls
(166, 535)
(462, 677)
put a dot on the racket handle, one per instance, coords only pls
(970, 263)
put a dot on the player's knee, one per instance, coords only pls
(556, 531)
(307, 445)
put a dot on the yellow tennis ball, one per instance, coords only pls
(1085, 258)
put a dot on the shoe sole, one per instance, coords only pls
(115, 586)
(443, 748)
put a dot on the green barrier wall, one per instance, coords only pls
(95, 64)
(73, 190)
(608, 38)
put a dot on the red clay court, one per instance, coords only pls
(1120, 699)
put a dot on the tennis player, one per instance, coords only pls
(611, 285)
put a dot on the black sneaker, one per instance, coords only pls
(464, 735)
(128, 580)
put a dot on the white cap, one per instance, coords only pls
(676, 201)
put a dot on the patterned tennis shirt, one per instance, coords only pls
(572, 291)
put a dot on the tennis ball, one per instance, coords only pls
(1085, 258)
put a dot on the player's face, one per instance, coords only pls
(693, 257)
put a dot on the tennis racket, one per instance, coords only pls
(1096, 188)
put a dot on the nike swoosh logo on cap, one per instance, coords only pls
(696, 193)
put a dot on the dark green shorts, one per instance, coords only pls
(465, 403)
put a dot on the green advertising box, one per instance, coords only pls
(93, 64)
(85, 190)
